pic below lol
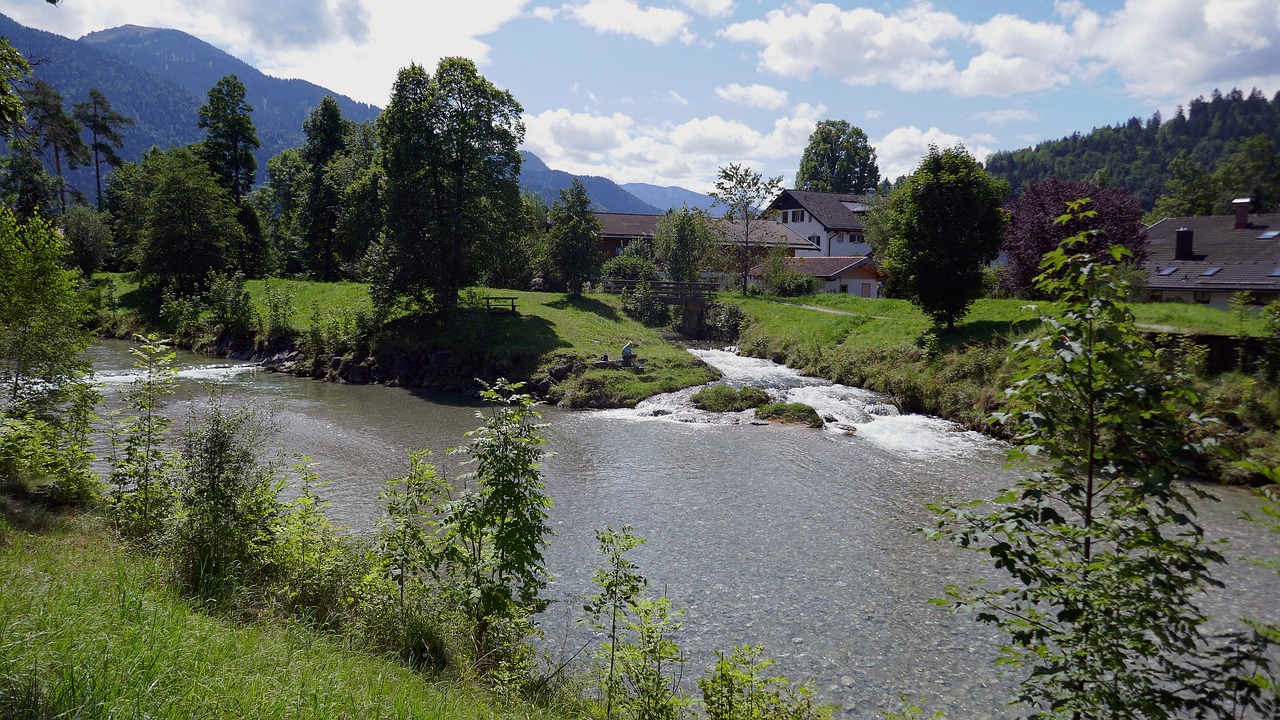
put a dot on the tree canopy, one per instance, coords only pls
(103, 124)
(945, 223)
(683, 242)
(230, 137)
(449, 153)
(1114, 218)
(572, 244)
(838, 158)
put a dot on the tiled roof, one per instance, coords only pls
(627, 225)
(1245, 259)
(764, 233)
(827, 268)
(836, 211)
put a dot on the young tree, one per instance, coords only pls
(189, 227)
(491, 536)
(945, 225)
(1034, 229)
(573, 242)
(449, 153)
(230, 138)
(839, 158)
(683, 242)
(104, 125)
(1105, 560)
(743, 193)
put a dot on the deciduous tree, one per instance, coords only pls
(683, 242)
(838, 158)
(1252, 171)
(449, 153)
(1105, 562)
(326, 132)
(1034, 228)
(945, 223)
(190, 226)
(744, 194)
(573, 242)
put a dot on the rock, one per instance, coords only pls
(560, 372)
(358, 375)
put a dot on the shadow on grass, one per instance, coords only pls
(985, 331)
(586, 304)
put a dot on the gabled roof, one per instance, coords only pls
(826, 268)
(627, 225)
(764, 233)
(836, 211)
(1245, 259)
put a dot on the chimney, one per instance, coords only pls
(1182, 244)
(1242, 212)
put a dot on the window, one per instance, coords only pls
(1269, 235)
(1211, 272)
(866, 289)
(1157, 296)
(844, 288)
(815, 240)
(1201, 296)
(797, 216)
(1168, 271)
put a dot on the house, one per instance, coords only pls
(1208, 259)
(852, 275)
(619, 229)
(832, 222)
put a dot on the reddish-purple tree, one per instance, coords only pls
(1117, 220)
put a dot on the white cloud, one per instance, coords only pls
(624, 17)
(687, 154)
(675, 98)
(757, 96)
(872, 114)
(1000, 118)
(1164, 48)
(710, 8)
(899, 152)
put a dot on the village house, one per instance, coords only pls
(851, 275)
(619, 229)
(831, 222)
(1208, 259)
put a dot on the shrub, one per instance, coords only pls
(275, 321)
(740, 688)
(229, 305)
(627, 267)
(791, 283)
(722, 398)
(790, 413)
(724, 321)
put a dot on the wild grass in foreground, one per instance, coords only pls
(90, 629)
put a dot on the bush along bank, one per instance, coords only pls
(963, 379)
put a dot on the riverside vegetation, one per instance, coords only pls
(447, 588)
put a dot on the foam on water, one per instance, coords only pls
(193, 373)
(852, 414)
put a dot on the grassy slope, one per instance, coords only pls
(94, 631)
(549, 329)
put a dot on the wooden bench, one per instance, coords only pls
(496, 305)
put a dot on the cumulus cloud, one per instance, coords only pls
(899, 152)
(301, 23)
(757, 96)
(1159, 47)
(675, 98)
(624, 17)
(686, 154)
(1163, 48)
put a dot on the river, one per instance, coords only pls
(803, 540)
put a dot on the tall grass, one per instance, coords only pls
(89, 630)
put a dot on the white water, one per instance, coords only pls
(853, 414)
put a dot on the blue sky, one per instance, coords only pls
(667, 91)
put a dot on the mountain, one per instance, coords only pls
(160, 78)
(605, 194)
(671, 197)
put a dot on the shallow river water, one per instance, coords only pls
(803, 540)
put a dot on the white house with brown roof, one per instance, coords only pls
(1208, 259)
(851, 275)
(831, 222)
